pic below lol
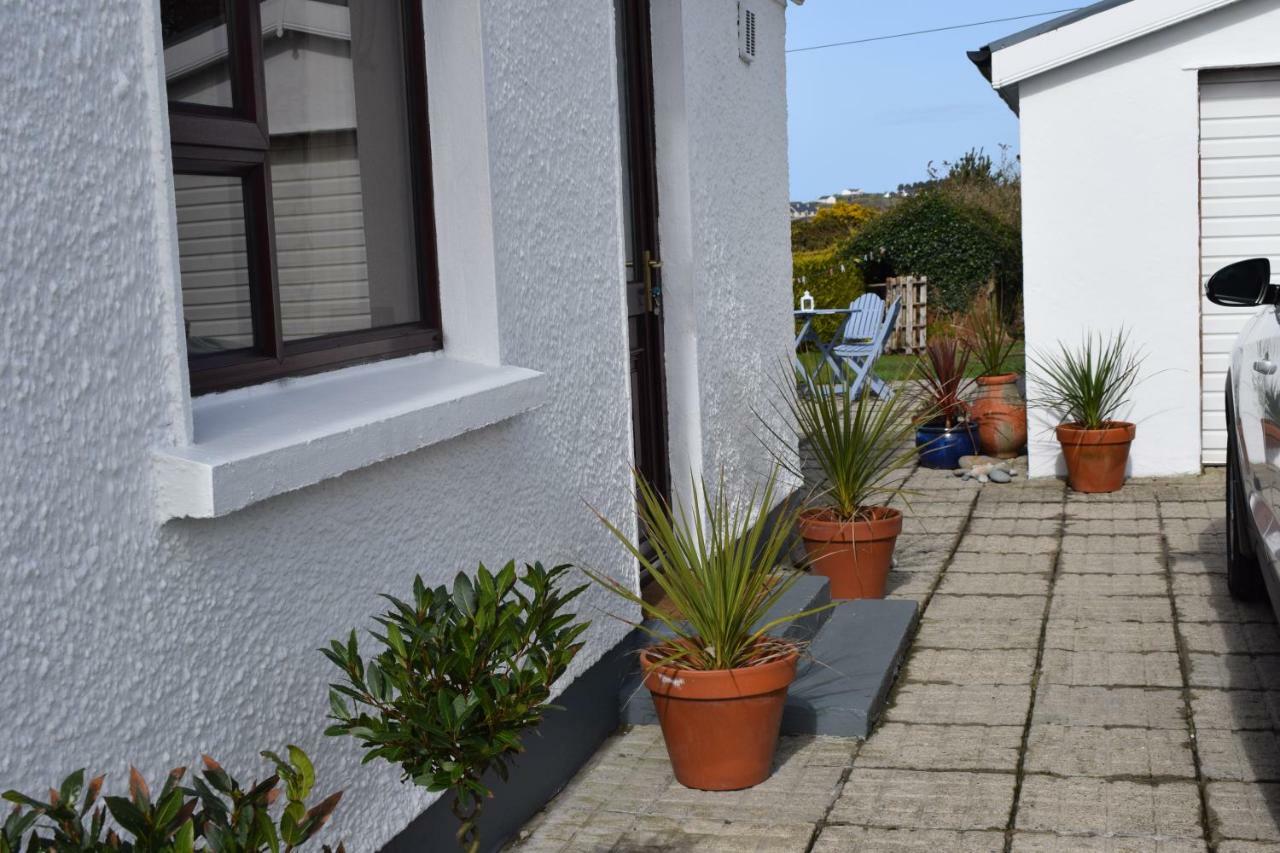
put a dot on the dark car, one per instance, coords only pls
(1253, 431)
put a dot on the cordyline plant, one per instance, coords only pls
(941, 381)
(717, 563)
(215, 814)
(986, 338)
(462, 673)
(1088, 384)
(858, 445)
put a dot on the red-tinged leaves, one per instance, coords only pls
(91, 795)
(138, 790)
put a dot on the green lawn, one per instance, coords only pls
(895, 368)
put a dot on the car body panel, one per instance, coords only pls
(1254, 418)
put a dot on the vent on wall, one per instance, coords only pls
(746, 33)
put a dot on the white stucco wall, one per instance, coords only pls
(725, 229)
(1110, 162)
(130, 640)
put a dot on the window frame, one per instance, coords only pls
(233, 141)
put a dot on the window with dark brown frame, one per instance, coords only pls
(302, 177)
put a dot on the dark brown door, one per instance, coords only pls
(644, 268)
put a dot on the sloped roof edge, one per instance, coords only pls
(982, 56)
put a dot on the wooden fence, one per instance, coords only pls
(909, 333)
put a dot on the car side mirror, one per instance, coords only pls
(1244, 283)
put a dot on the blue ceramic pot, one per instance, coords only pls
(942, 448)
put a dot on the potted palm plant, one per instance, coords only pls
(945, 431)
(719, 679)
(859, 446)
(999, 409)
(1087, 386)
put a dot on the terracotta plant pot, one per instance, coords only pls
(721, 727)
(1001, 414)
(1096, 458)
(854, 555)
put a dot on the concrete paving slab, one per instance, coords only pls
(1110, 753)
(911, 799)
(1086, 806)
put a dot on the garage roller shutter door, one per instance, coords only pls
(1239, 215)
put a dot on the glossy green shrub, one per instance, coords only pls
(462, 673)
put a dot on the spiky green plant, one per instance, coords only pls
(986, 338)
(1090, 383)
(858, 445)
(717, 562)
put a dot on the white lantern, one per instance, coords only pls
(806, 301)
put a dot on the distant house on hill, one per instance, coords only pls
(803, 209)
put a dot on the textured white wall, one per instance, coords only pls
(126, 640)
(725, 230)
(1110, 162)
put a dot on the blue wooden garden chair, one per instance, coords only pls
(866, 334)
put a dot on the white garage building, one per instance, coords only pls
(1150, 134)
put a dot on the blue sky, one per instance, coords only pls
(873, 115)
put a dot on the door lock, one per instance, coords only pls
(652, 292)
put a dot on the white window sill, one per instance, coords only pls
(260, 442)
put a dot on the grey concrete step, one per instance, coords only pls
(854, 653)
(809, 592)
(842, 684)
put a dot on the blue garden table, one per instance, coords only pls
(807, 335)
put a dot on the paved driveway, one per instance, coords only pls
(1080, 680)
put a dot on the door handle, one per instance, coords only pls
(652, 295)
(1264, 367)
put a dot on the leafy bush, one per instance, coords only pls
(958, 247)
(216, 814)
(829, 227)
(462, 673)
(833, 282)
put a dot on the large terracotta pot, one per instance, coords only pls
(1001, 414)
(721, 727)
(854, 555)
(1096, 458)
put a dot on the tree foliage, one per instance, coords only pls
(833, 281)
(462, 673)
(829, 227)
(215, 814)
(959, 247)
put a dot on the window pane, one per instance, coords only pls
(341, 179)
(214, 261)
(196, 60)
